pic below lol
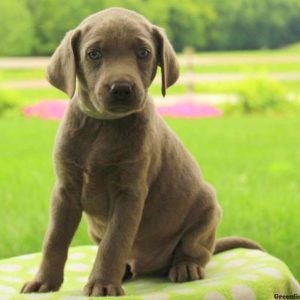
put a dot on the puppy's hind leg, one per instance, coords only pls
(198, 241)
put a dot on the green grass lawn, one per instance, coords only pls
(22, 74)
(252, 161)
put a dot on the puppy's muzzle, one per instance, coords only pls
(122, 97)
(121, 90)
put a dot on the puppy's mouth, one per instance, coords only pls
(120, 109)
(126, 105)
(125, 110)
(115, 112)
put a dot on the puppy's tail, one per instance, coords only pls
(233, 242)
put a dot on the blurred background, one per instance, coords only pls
(235, 106)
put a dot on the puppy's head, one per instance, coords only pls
(114, 55)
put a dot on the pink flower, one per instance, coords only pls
(188, 109)
(54, 110)
(46, 109)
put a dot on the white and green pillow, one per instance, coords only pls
(238, 274)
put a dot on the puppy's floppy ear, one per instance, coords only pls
(61, 70)
(166, 59)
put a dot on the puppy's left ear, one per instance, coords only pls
(61, 71)
(166, 59)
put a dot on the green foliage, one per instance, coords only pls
(16, 30)
(256, 24)
(202, 24)
(190, 23)
(261, 94)
(8, 100)
(295, 47)
(53, 18)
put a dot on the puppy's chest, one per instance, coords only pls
(102, 175)
(105, 153)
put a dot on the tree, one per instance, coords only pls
(190, 23)
(256, 24)
(36, 27)
(16, 30)
(53, 18)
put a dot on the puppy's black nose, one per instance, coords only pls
(120, 90)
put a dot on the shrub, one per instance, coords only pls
(8, 101)
(260, 94)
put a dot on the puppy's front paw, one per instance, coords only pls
(98, 288)
(40, 286)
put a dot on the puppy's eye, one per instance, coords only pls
(143, 53)
(94, 54)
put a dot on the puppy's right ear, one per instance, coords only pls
(61, 71)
